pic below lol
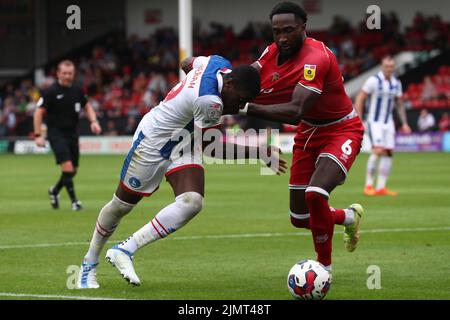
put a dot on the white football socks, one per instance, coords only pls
(107, 222)
(349, 217)
(384, 170)
(167, 221)
(371, 169)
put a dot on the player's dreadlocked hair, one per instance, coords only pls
(247, 78)
(289, 7)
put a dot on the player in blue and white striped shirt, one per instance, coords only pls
(381, 94)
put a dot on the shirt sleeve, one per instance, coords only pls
(314, 71)
(265, 56)
(207, 111)
(370, 85)
(199, 61)
(43, 100)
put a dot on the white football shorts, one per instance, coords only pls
(381, 135)
(145, 167)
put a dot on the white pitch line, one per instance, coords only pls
(52, 296)
(43, 245)
(229, 236)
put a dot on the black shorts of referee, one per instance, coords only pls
(65, 145)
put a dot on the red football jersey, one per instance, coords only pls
(314, 67)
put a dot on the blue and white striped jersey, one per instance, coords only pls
(382, 94)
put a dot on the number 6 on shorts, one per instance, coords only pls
(346, 148)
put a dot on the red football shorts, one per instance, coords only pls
(340, 142)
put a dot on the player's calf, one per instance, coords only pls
(167, 221)
(107, 222)
(300, 220)
(321, 222)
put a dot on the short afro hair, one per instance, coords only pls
(289, 7)
(246, 78)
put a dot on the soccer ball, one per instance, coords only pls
(308, 280)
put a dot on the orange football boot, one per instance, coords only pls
(386, 192)
(369, 191)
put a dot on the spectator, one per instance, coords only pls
(348, 47)
(8, 120)
(334, 48)
(111, 129)
(340, 26)
(444, 122)
(131, 126)
(429, 90)
(426, 121)
(368, 61)
(3, 130)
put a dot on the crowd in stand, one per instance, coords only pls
(125, 78)
(432, 92)
(427, 122)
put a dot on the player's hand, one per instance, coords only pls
(243, 107)
(406, 129)
(276, 163)
(40, 142)
(95, 127)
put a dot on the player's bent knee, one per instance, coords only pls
(313, 194)
(119, 207)
(379, 151)
(191, 201)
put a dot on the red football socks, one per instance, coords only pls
(321, 223)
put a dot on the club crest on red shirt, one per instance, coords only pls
(309, 71)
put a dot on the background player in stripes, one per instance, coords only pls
(383, 94)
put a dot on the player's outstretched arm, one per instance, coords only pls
(292, 112)
(232, 151)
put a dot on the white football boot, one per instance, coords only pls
(123, 261)
(87, 277)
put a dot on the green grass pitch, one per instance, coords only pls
(240, 246)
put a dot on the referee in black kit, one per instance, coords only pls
(62, 103)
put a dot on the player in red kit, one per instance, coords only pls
(301, 84)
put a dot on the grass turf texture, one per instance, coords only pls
(254, 261)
